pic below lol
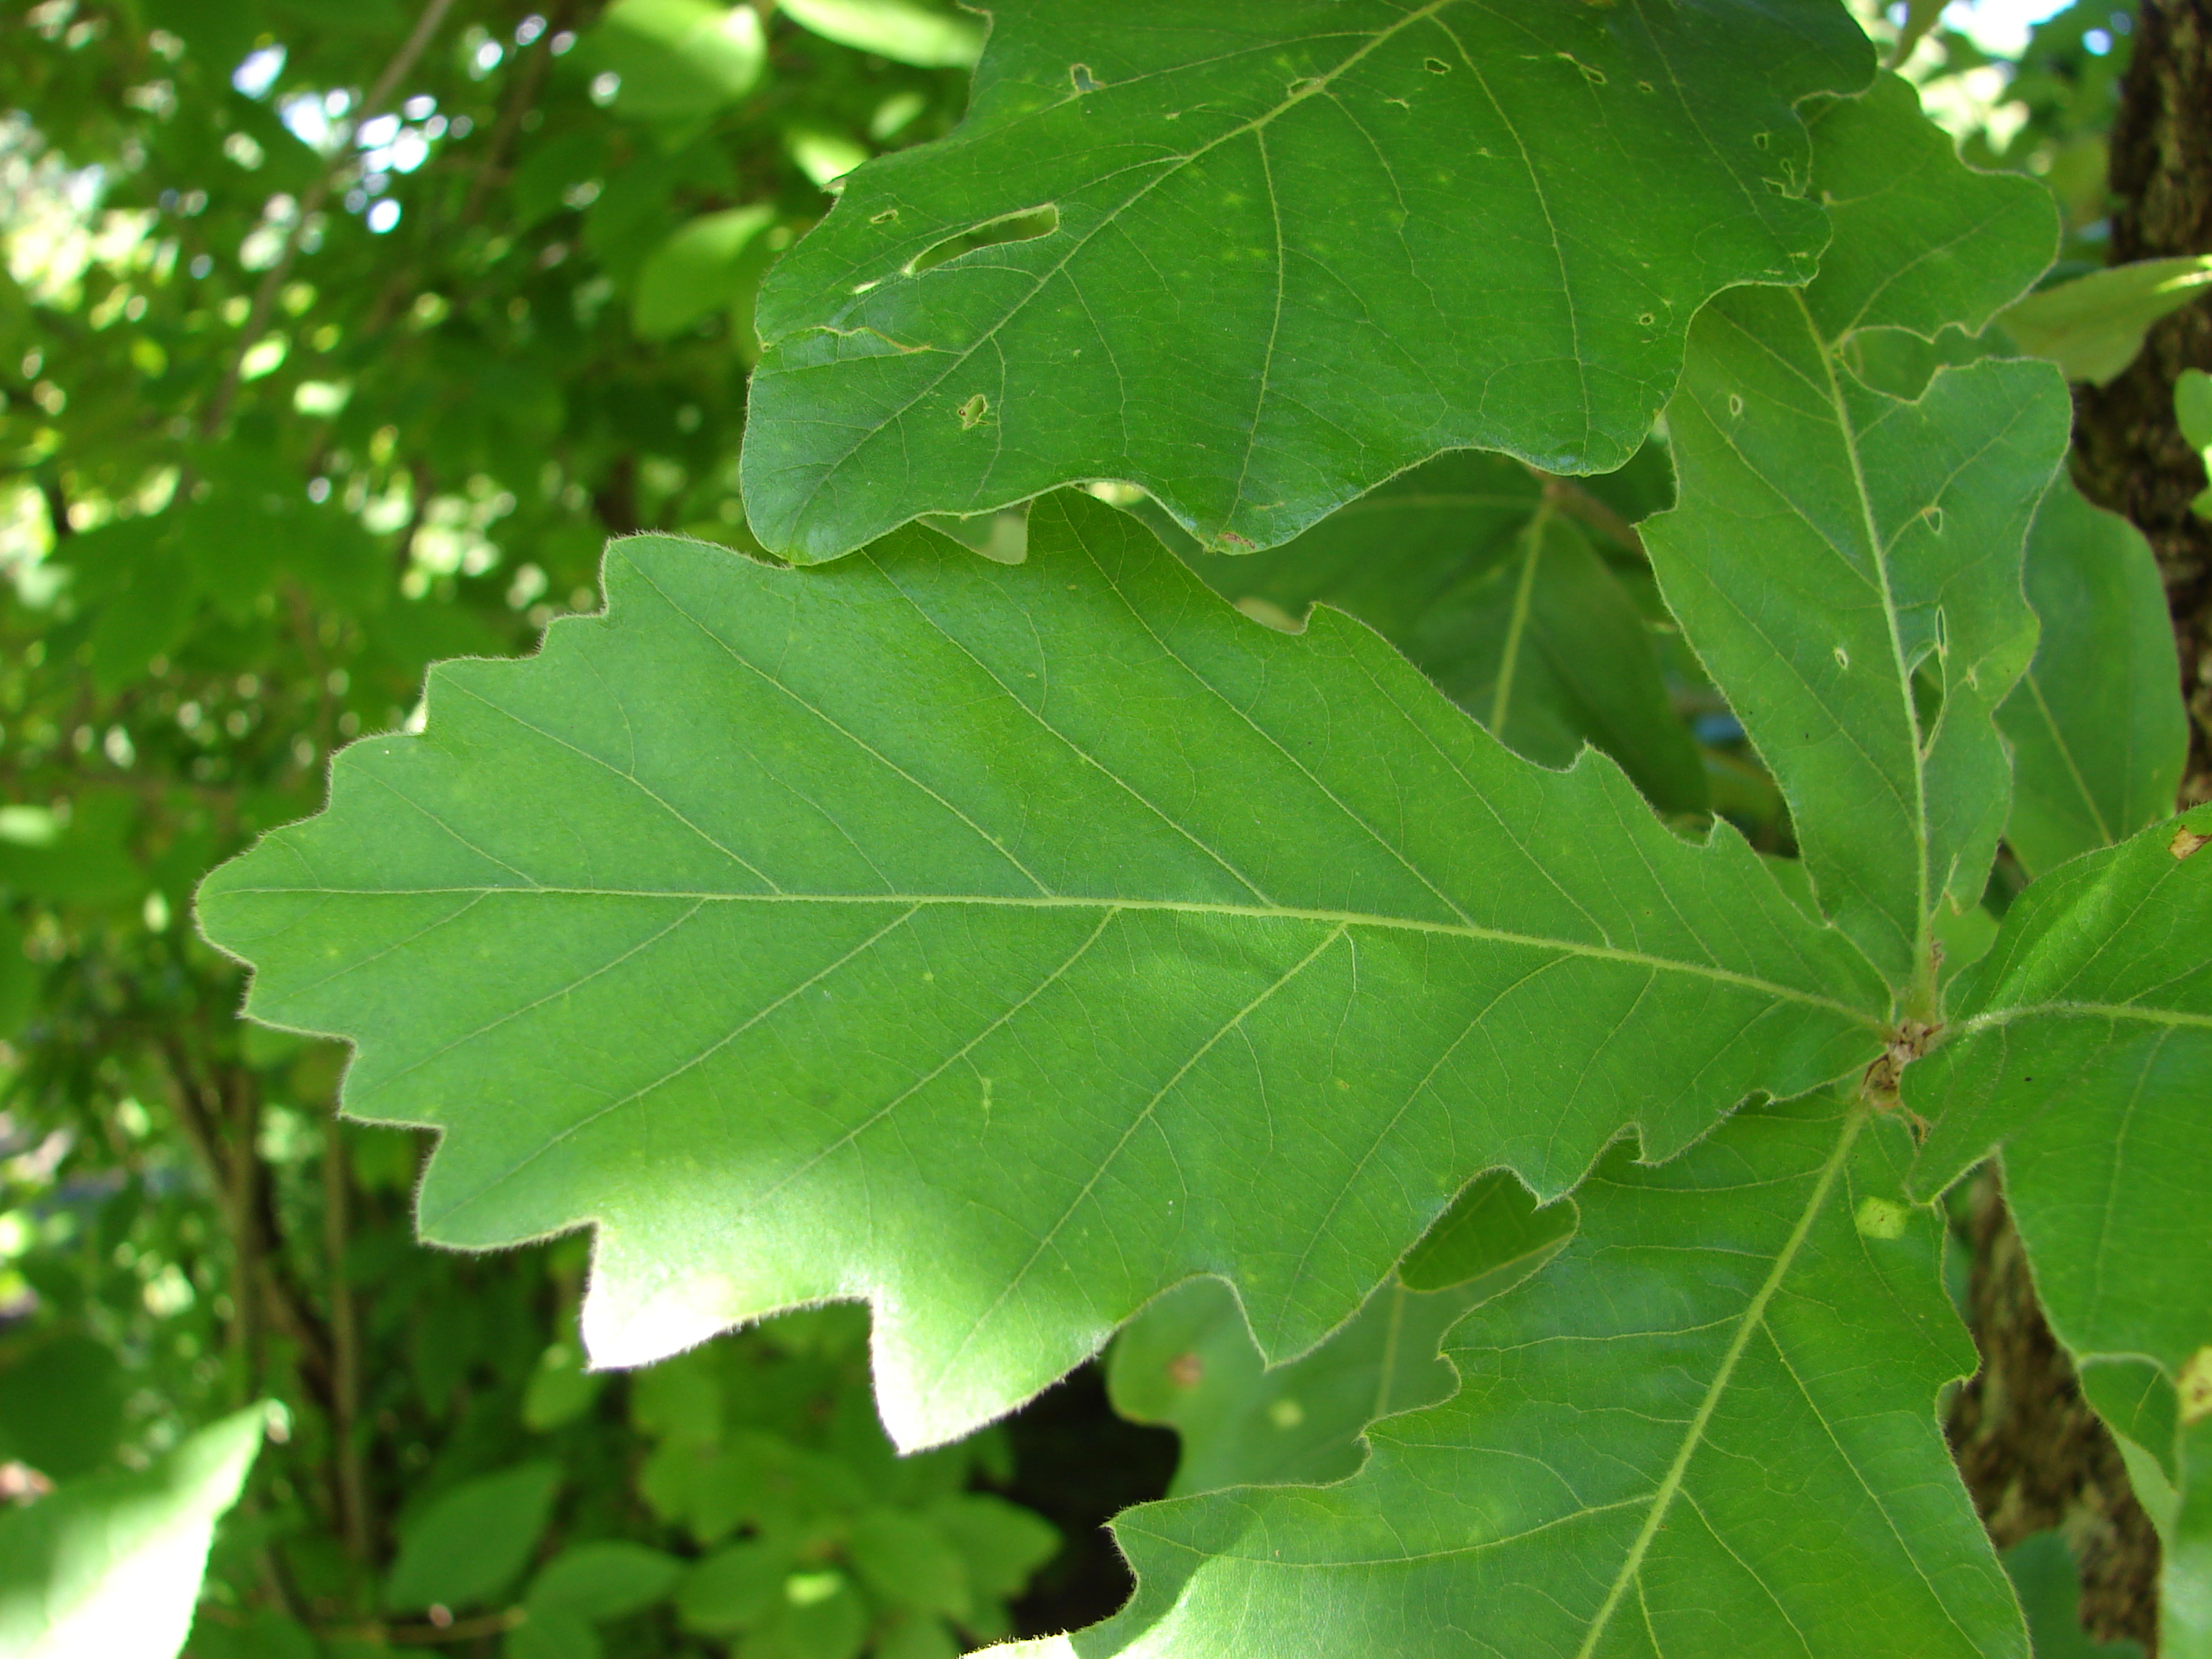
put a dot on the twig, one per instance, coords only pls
(1576, 502)
(264, 298)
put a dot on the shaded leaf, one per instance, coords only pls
(1465, 566)
(1295, 247)
(2098, 731)
(1707, 1427)
(1188, 1362)
(466, 1546)
(982, 938)
(2044, 1572)
(607, 1579)
(1844, 559)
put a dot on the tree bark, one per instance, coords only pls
(2034, 1454)
(2129, 453)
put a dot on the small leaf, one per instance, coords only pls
(2044, 1572)
(553, 1632)
(2093, 327)
(2098, 729)
(906, 1562)
(982, 937)
(605, 1580)
(1001, 1543)
(1414, 229)
(111, 1565)
(1706, 1429)
(1842, 556)
(61, 1404)
(698, 270)
(465, 1547)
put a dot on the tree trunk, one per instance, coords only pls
(2034, 1454)
(2129, 453)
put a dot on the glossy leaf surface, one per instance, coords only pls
(1707, 1427)
(1271, 254)
(1004, 944)
(1845, 561)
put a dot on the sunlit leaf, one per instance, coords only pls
(2094, 324)
(905, 31)
(111, 1565)
(982, 938)
(1260, 256)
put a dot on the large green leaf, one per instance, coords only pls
(2082, 1049)
(1188, 1361)
(1707, 1428)
(1471, 568)
(111, 1565)
(2098, 730)
(1004, 944)
(1847, 562)
(1274, 251)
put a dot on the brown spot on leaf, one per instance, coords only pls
(2185, 841)
(1186, 1371)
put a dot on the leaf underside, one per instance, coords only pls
(1288, 249)
(1003, 944)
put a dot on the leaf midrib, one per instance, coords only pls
(1168, 167)
(1080, 902)
(1753, 1319)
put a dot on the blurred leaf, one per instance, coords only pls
(698, 270)
(466, 1546)
(1495, 1224)
(2094, 325)
(2098, 729)
(2192, 408)
(818, 1615)
(909, 1563)
(733, 1588)
(110, 1566)
(560, 1390)
(602, 1581)
(61, 1405)
(1001, 1543)
(553, 1632)
(1188, 1361)
(19, 980)
(902, 30)
(679, 60)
